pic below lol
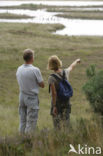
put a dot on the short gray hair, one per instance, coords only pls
(28, 54)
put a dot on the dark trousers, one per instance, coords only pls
(62, 119)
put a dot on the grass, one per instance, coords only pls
(47, 142)
(48, 7)
(26, 6)
(41, 6)
(12, 16)
(14, 39)
(98, 15)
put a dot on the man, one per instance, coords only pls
(29, 79)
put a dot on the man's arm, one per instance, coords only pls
(41, 84)
(39, 78)
(71, 67)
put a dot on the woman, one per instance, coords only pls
(60, 110)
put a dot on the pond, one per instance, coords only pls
(73, 27)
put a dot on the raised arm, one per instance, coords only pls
(72, 66)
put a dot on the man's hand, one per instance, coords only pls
(42, 85)
(55, 111)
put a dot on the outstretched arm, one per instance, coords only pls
(72, 66)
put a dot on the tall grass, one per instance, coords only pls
(84, 129)
(54, 143)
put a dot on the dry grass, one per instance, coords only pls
(13, 16)
(17, 37)
(82, 15)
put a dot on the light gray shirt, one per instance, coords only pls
(28, 78)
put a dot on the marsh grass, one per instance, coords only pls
(54, 143)
(13, 16)
(82, 15)
(49, 8)
(26, 6)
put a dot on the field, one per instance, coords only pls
(82, 15)
(13, 16)
(85, 124)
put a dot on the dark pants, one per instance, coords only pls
(62, 119)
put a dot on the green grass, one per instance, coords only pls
(17, 37)
(52, 143)
(26, 6)
(48, 7)
(82, 15)
(13, 16)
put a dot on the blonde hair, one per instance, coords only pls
(54, 63)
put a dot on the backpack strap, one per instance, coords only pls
(64, 75)
(61, 77)
(58, 78)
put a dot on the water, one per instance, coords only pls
(73, 27)
(39, 16)
(82, 28)
(87, 9)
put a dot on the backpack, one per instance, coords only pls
(65, 91)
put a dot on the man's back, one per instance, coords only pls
(29, 78)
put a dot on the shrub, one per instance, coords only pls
(94, 89)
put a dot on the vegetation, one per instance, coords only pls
(85, 125)
(26, 6)
(50, 8)
(13, 16)
(94, 90)
(48, 142)
(82, 14)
